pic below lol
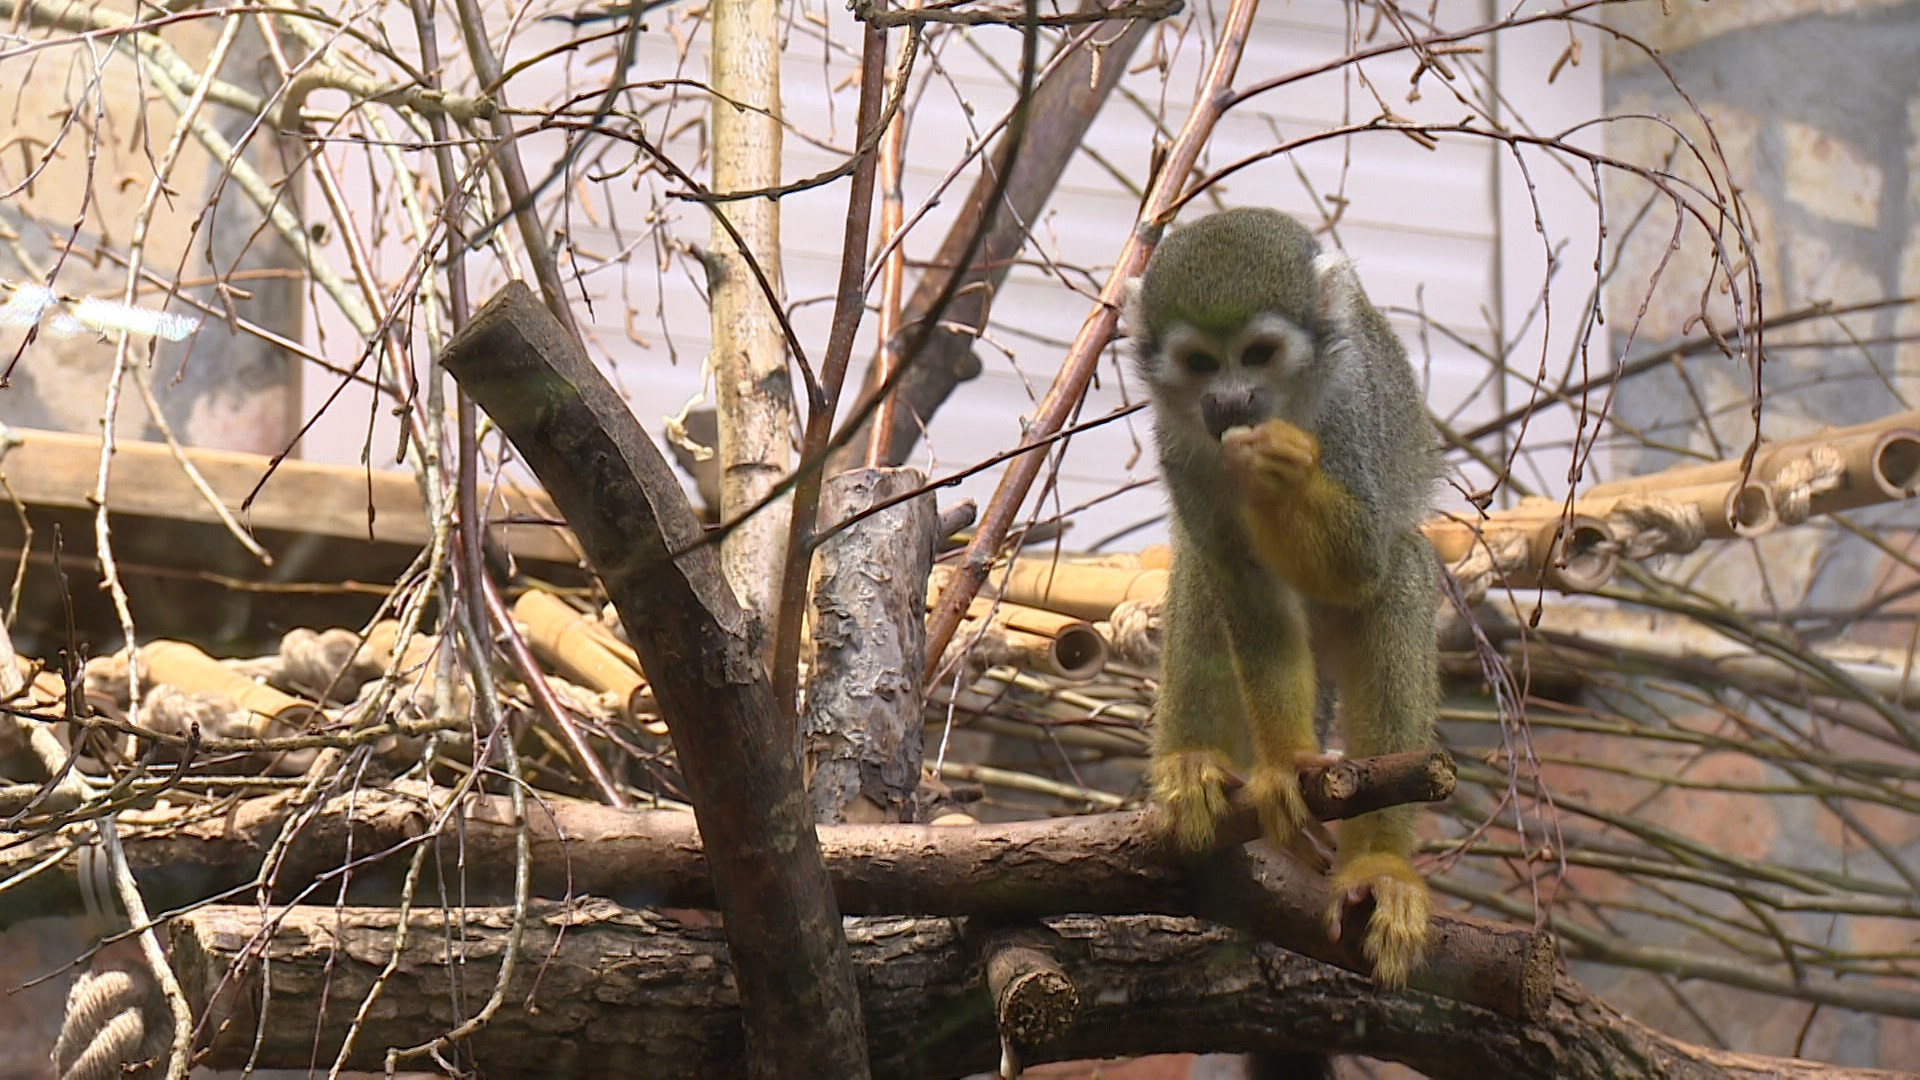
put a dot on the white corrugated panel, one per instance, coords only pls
(1443, 233)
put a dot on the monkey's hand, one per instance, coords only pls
(1275, 460)
(1304, 524)
(1397, 929)
(1191, 788)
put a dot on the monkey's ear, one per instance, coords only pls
(1338, 298)
(1130, 320)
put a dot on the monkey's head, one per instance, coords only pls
(1234, 322)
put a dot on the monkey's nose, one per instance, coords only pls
(1238, 407)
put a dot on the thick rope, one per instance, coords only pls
(1133, 631)
(1649, 524)
(115, 1019)
(979, 648)
(1500, 553)
(1820, 470)
(319, 661)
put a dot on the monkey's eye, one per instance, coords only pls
(1258, 354)
(1200, 363)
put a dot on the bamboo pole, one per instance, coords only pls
(1536, 547)
(1083, 591)
(584, 651)
(184, 667)
(1824, 473)
(1542, 543)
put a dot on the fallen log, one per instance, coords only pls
(616, 993)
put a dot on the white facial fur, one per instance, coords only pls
(1261, 370)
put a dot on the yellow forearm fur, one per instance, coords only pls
(1301, 522)
(1312, 541)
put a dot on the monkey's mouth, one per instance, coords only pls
(1224, 409)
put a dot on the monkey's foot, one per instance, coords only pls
(1397, 929)
(1191, 788)
(1275, 791)
(1275, 458)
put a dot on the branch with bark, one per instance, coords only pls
(1063, 106)
(703, 653)
(1104, 863)
(619, 989)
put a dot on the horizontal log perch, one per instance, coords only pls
(617, 992)
(1104, 863)
(182, 857)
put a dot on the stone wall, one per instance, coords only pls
(1814, 108)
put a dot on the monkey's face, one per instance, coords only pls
(1207, 380)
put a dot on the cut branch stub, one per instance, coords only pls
(703, 653)
(1034, 1000)
(1351, 787)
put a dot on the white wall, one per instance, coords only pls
(1445, 231)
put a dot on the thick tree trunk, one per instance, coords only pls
(620, 993)
(864, 706)
(703, 655)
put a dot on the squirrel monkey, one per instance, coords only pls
(1299, 458)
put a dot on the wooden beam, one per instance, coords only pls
(384, 506)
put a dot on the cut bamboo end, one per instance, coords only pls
(1749, 510)
(1077, 654)
(1896, 463)
(1577, 555)
(1529, 548)
(1073, 648)
(184, 667)
(582, 649)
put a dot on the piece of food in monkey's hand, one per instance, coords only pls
(1276, 457)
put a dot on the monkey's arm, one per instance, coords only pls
(1304, 523)
(1235, 647)
(1198, 713)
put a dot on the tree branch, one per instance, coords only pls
(620, 986)
(702, 653)
(1102, 863)
(1064, 105)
